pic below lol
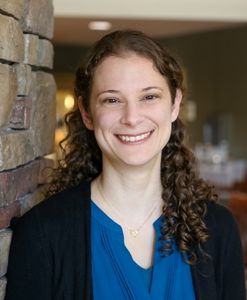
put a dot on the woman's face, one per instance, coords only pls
(131, 110)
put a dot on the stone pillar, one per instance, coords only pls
(27, 111)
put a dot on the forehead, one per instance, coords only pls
(127, 60)
(127, 70)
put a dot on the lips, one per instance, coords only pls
(134, 138)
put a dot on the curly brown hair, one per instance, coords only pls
(184, 193)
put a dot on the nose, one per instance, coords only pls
(131, 114)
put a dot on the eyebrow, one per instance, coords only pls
(117, 91)
(152, 87)
(108, 91)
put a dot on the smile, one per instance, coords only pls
(134, 138)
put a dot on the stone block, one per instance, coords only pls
(38, 18)
(45, 170)
(16, 148)
(14, 8)
(31, 42)
(11, 40)
(21, 114)
(3, 282)
(45, 54)
(43, 113)
(8, 92)
(5, 240)
(18, 182)
(24, 79)
(8, 212)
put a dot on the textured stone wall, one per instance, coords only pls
(27, 111)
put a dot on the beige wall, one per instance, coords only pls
(235, 10)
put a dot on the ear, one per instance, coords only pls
(176, 105)
(86, 117)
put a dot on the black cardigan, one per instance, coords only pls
(50, 253)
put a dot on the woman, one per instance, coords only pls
(128, 216)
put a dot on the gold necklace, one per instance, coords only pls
(132, 231)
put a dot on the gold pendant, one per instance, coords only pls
(134, 232)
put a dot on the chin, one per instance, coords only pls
(140, 161)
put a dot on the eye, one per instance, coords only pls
(110, 101)
(150, 97)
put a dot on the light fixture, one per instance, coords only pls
(99, 25)
(69, 102)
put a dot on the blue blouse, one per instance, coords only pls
(117, 276)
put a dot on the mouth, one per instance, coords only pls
(127, 138)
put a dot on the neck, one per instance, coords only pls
(131, 189)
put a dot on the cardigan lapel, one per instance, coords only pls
(82, 219)
(203, 276)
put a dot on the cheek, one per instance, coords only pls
(105, 120)
(162, 116)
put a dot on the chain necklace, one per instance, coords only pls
(132, 231)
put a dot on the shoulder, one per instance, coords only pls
(222, 226)
(219, 217)
(58, 210)
(73, 198)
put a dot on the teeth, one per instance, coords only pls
(127, 138)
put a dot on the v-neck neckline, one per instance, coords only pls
(143, 293)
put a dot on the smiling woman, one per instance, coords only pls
(131, 111)
(127, 216)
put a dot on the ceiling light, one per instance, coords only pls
(99, 25)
